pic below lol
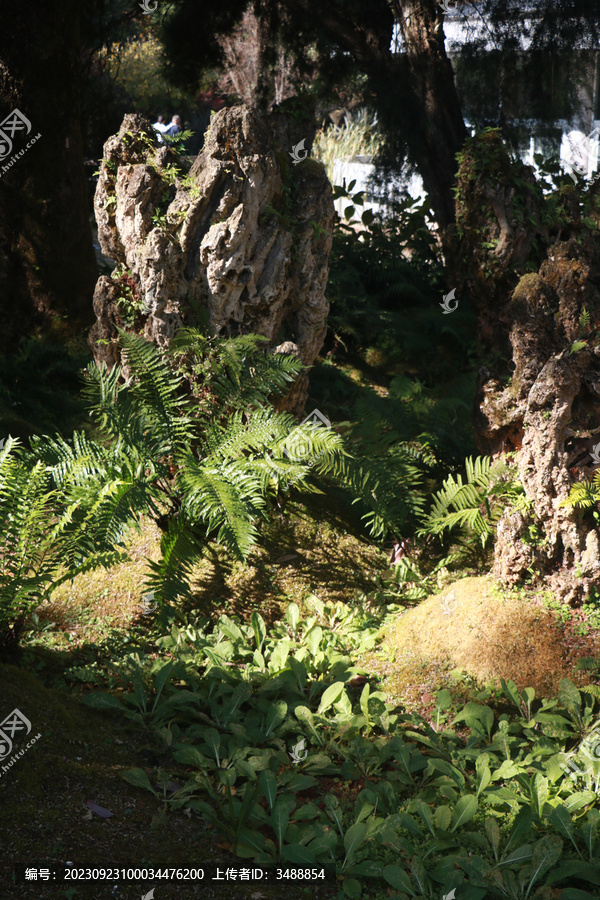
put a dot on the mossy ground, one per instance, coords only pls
(301, 553)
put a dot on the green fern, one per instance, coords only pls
(233, 373)
(202, 478)
(584, 494)
(592, 689)
(475, 505)
(170, 577)
(157, 389)
(203, 473)
(45, 537)
(395, 447)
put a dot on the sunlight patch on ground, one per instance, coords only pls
(299, 555)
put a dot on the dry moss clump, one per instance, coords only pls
(481, 632)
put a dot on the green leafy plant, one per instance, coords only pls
(204, 471)
(487, 808)
(577, 346)
(584, 322)
(358, 136)
(585, 495)
(46, 536)
(475, 505)
(129, 301)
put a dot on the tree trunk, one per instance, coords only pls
(417, 101)
(47, 264)
(440, 131)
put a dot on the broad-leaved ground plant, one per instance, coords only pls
(254, 727)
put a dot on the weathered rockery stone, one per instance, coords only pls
(242, 241)
(539, 391)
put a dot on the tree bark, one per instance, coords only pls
(423, 102)
(47, 264)
(441, 130)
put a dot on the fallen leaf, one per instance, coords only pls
(99, 810)
(287, 557)
(173, 786)
(87, 816)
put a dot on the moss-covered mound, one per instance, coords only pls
(473, 627)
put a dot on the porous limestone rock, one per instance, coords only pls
(530, 266)
(241, 241)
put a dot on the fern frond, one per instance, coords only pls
(41, 541)
(310, 445)
(244, 433)
(157, 389)
(170, 577)
(236, 371)
(474, 505)
(387, 494)
(584, 494)
(226, 499)
(592, 689)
